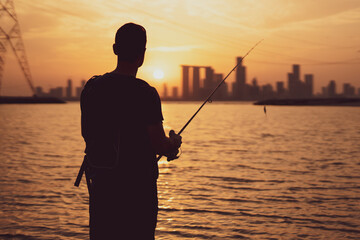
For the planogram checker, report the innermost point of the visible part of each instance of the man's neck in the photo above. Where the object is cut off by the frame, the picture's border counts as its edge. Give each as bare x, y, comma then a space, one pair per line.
126, 68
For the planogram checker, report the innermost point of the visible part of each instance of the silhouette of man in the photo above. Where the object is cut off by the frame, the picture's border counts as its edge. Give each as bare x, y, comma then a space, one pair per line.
121, 122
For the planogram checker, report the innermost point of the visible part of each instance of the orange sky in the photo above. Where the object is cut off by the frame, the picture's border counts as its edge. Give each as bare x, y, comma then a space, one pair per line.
73, 39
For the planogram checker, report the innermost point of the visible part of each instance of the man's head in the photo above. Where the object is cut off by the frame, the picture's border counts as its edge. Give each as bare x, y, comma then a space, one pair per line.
130, 43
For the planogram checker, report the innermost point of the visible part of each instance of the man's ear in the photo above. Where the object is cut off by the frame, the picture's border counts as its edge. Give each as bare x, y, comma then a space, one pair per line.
141, 58
115, 49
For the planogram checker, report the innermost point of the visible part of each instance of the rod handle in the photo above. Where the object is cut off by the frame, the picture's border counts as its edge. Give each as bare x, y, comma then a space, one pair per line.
80, 173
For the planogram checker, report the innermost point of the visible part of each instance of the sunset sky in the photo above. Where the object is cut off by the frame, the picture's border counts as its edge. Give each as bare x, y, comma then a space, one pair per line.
73, 39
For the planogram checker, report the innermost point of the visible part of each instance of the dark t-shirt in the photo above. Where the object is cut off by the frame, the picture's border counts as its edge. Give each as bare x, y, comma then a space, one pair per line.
116, 110
115, 113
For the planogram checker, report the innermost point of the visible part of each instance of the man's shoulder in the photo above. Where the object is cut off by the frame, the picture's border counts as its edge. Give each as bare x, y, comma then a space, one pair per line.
93, 80
104, 82
93, 87
150, 90
118, 79
144, 84
110, 82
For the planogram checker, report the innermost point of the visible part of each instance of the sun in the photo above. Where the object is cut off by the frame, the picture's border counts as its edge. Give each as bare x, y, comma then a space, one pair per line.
158, 74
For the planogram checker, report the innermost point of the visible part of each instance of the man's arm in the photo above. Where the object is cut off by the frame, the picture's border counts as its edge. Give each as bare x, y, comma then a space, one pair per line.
162, 144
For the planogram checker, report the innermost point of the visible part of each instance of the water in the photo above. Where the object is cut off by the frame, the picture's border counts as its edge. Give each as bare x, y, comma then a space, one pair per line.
293, 174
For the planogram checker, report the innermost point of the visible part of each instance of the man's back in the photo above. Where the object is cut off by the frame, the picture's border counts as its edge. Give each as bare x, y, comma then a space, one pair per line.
116, 110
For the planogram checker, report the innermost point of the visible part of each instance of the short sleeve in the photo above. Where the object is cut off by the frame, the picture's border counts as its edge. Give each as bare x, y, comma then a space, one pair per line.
153, 112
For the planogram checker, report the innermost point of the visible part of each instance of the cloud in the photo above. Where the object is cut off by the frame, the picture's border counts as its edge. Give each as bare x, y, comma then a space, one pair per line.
173, 48
273, 14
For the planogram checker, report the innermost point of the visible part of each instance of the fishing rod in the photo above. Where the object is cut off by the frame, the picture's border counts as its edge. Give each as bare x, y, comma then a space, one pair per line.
208, 99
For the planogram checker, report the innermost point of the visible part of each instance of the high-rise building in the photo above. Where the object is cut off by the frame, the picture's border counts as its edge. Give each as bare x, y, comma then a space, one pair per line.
298, 88
221, 93
294, 83
69, 89
240, 72
165, 92
348, 90
175, 94
267, 91
296, 72
291, 84
280, 89
185, 82
79, 89
239, 86
331, 89
209, 80
196, 82
309, 85
56, 92
235, 90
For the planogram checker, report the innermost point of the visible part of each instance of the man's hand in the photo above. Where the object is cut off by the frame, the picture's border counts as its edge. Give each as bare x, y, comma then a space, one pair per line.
163, 145
175, 140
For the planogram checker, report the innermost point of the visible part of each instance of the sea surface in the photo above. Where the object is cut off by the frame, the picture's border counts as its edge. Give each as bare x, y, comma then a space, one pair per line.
293, 173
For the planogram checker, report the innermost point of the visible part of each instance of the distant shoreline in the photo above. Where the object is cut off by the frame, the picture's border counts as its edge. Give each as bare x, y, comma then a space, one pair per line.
311, 102
29, 100
276, 102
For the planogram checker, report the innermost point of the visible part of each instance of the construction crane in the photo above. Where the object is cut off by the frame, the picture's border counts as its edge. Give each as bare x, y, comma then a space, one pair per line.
10, 37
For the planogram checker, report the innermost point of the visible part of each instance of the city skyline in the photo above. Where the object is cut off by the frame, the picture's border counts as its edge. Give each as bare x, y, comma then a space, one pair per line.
69, 92
199, 81
297, 86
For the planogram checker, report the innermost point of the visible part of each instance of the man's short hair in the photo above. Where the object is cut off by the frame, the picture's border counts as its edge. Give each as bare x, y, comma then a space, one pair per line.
130, 42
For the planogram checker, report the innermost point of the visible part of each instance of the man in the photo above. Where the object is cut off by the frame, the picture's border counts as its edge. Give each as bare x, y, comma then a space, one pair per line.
122, 127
